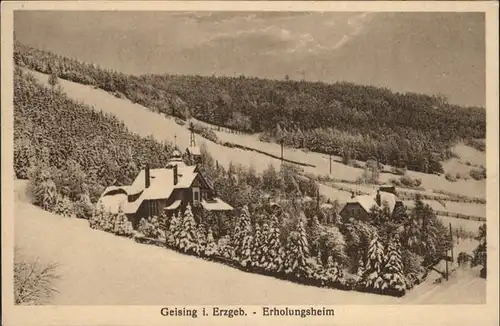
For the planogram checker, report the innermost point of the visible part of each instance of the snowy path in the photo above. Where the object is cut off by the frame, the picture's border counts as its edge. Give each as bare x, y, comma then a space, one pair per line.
100, 268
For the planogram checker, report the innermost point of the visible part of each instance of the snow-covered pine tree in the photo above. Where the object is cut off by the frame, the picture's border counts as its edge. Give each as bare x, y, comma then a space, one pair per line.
256, 247
319, 258
143, 226
174, 230
361, 269
128, 229
201, 236
372, 277
119, 226
188, 241
314, 234
154, 227
264, 237
95, 219
242, 238
297, 253
106, 221
393, 269
273, 249
211, 246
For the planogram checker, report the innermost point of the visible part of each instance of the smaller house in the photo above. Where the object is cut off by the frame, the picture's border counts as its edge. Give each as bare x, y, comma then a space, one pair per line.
359, 207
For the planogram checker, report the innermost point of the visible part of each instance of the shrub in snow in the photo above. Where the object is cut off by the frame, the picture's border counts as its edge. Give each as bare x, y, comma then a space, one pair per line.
63, 206
225, 248
480, 255
150, 227
333, 271
46, 195
83, 207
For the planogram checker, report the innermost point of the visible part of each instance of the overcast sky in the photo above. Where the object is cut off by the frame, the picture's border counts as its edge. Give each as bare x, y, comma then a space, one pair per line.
419, 52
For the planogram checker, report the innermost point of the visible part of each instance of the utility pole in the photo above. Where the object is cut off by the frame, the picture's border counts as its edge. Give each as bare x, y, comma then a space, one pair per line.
451, 242
330, 163
191, 135
446, 273
281, 142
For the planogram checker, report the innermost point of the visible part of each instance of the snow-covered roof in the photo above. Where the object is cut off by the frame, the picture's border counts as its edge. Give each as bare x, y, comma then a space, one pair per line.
161, 187
174, 205
368, 201
194, 150
216, 205
111, 203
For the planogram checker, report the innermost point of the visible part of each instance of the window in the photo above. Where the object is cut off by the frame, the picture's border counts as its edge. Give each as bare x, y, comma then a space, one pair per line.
196, 195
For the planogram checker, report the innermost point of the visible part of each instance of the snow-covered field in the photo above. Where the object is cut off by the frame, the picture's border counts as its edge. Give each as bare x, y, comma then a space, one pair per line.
99, 268
144, 122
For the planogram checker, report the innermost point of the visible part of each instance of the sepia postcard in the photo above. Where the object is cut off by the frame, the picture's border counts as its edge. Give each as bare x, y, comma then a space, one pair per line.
249, 162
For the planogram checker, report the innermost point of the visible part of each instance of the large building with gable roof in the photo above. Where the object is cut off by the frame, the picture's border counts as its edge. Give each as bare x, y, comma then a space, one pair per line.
167, 190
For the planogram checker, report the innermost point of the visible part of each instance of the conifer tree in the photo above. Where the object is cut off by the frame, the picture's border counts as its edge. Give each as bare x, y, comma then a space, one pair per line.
257, 247
95, 219
188, 241
297, 253
480, 253
273, 249
174, 230
122, 223
319, 258
264, 236
242, 239
361, 269
211, 246
373, 275
201, 235
106, 221
314, 234
393, 269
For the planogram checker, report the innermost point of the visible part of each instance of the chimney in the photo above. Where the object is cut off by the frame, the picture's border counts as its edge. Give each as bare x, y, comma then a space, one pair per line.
147, 177
176, 175
377, 198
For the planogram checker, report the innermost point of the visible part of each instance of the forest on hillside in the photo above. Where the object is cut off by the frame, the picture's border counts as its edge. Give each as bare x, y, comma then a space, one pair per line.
70, 152
408, 130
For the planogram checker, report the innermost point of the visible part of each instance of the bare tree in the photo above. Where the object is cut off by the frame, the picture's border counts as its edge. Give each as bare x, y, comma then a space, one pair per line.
33, 280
